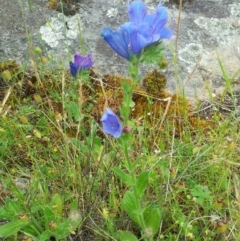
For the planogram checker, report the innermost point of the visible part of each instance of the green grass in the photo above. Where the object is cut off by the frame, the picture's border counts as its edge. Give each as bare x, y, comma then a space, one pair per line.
57, 166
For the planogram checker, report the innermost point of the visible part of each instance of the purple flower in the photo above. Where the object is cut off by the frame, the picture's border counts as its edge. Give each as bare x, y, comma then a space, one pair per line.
111, 123
80, 62
142, 30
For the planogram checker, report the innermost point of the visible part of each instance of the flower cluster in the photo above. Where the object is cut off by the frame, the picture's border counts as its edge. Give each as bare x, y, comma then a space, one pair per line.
80, 62
142, 30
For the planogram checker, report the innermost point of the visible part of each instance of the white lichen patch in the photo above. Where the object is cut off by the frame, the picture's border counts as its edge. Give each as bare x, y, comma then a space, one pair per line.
59, 29
235, 9
190, 55
112, 12
213, 26
193, 36
220, 30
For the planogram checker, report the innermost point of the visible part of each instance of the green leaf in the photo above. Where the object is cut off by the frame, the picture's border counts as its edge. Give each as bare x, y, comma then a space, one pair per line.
134, 164
77, 143
11, 228
11, 205
4, 214
152, 53
74, 205
75, 111
126, 86
48, 214
123, 176
202, 194
63, 230
45, 235
126, 236
75, 216
141, 183
152, 218
132, 104
31, 230
57, 204
131, 206
10, 209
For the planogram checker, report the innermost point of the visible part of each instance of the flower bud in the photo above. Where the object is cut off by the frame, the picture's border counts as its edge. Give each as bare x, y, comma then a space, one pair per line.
52, 225
26, 238
38, 50
127, 129
222, 226
22, 216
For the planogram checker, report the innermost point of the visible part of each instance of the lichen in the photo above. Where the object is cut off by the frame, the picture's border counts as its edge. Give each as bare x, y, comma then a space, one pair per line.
60, 29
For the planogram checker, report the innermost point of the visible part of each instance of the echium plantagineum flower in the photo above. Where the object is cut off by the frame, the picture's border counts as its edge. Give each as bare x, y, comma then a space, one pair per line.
111, 123
142, 30
80, 63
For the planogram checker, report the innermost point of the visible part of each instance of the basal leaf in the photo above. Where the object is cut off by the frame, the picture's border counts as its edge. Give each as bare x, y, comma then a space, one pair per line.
126, 236
75, 110
131, 206
57, 204
152, 218
11, 228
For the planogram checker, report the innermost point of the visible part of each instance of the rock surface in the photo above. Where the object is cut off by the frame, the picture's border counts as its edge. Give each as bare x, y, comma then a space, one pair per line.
207, 27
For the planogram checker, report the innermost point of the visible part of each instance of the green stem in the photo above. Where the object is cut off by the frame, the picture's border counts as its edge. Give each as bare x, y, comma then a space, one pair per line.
131, 172
129, 88
133, 70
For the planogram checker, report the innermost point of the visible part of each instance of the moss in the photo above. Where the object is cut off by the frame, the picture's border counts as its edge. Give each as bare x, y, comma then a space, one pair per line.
155, 83
9, 65
69, 7
153, 104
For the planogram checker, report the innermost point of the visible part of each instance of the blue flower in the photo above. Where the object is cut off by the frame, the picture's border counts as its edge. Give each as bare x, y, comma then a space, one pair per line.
118, 40
111, 123
142, 30
80, 62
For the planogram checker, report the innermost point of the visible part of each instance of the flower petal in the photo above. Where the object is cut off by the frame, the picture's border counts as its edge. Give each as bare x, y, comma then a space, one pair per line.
137, 11
80, 62
118, 40
73, 68
83, 62
138, 42
166, 33
78, 59
87, 62
157, 20
111, 123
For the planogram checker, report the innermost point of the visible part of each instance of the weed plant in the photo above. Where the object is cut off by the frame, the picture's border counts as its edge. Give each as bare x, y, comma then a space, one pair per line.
165, 171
